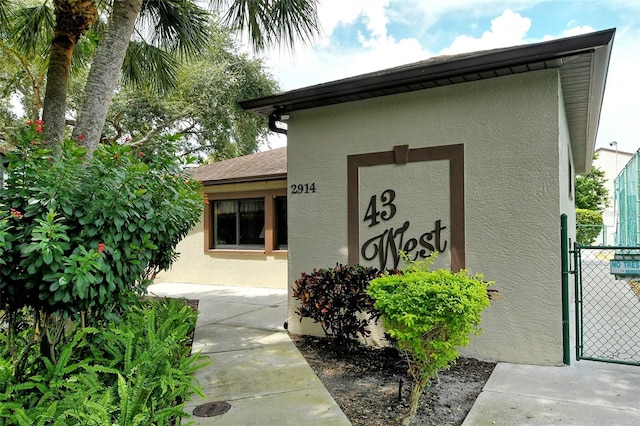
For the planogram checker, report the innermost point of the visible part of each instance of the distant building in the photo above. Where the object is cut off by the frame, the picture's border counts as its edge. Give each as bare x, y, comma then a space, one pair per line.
627, 203
242, 237
611, 162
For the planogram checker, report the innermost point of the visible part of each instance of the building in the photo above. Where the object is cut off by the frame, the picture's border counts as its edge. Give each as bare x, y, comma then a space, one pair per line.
472, 155
627, 203
242, 237
611, 161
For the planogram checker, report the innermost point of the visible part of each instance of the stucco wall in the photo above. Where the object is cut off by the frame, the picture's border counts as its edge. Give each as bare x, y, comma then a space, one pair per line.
239, 268
510, 130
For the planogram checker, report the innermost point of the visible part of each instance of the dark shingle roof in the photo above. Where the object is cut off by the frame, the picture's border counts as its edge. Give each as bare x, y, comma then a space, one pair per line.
582, 60
267, 165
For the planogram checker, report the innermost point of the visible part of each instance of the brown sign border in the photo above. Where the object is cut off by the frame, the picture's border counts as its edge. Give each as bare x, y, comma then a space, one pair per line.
401, 154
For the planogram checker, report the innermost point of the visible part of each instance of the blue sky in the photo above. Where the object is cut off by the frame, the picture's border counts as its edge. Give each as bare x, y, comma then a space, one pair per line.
361, 36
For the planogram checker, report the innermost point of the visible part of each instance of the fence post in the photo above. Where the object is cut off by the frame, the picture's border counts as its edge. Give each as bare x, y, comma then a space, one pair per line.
564, 248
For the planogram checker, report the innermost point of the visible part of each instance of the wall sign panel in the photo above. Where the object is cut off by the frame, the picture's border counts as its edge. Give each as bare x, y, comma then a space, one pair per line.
409, 200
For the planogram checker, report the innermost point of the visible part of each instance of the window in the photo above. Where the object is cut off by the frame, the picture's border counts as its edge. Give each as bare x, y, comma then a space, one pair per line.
252, 220
238, 224
281, 223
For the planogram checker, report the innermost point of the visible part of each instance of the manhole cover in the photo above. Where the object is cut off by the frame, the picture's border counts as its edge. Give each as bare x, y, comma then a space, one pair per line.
211, 409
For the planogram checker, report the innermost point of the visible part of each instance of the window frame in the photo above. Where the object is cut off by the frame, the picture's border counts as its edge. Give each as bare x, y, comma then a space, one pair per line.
269, 219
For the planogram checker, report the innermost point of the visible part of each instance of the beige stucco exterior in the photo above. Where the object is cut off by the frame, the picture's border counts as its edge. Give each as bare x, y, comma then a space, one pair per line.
251, 268
516, 185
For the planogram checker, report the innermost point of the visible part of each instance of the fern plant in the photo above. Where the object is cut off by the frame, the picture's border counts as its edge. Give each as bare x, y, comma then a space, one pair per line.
138, 371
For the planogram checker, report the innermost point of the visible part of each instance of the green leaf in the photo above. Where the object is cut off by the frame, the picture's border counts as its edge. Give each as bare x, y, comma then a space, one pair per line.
47, 256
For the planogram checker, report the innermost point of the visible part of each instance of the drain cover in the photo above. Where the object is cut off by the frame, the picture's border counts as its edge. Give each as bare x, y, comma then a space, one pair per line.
211, 409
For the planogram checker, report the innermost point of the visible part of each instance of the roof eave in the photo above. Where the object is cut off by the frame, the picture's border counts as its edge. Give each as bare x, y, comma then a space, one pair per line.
601, 57
558, 53
245, 179
420, 72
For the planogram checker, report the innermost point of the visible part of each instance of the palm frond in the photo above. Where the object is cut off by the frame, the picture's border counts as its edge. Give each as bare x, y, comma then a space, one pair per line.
250, 16
295, 21
147, 66
176, 25
85, 49
32, 28
4, 15
268, 23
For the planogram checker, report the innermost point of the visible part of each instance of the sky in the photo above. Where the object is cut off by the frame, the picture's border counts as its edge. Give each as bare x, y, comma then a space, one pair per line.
360, 36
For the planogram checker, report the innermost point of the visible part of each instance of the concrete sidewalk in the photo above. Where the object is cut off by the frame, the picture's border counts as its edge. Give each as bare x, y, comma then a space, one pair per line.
254, 365
585, 393
258, 370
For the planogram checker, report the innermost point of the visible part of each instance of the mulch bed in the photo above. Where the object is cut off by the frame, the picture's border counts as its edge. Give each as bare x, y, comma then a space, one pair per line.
372, 387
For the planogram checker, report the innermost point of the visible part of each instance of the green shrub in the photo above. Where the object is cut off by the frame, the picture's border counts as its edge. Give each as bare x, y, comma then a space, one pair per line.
336, 298
588, 226
428, 315
82, 238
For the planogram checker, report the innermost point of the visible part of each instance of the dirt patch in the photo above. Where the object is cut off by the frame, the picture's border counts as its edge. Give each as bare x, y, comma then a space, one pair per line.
372, 387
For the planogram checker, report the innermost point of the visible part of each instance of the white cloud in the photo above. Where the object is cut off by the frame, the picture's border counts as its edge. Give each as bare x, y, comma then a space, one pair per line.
325, 63
620, 118
335, 12
379, 49
508, 29
570, 32
328, 65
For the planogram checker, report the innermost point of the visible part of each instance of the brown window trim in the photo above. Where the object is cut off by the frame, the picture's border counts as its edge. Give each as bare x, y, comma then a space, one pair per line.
401, 154
269, 196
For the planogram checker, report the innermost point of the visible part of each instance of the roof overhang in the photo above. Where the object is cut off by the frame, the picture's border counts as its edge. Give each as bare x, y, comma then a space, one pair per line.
583, 62
259, 178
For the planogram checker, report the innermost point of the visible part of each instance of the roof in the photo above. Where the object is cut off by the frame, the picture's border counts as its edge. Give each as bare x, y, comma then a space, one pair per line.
267, 165
583, 62
618, 151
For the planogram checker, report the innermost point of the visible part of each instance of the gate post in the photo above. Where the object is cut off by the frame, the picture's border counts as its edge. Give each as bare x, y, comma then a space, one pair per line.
564, 248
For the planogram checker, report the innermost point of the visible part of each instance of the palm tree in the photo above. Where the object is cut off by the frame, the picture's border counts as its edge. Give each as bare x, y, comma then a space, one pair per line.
25, 39
165, 27
73, 19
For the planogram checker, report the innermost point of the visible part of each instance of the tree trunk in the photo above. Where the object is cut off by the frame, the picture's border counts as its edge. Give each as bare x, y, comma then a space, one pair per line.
417, 390
104, 73
73, 18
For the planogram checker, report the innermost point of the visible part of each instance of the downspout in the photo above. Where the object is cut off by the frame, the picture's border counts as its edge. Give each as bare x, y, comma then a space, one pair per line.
273, 118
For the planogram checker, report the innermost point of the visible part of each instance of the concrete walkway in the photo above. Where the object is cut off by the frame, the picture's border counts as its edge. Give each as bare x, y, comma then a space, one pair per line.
254, 365
585, 393
258, 370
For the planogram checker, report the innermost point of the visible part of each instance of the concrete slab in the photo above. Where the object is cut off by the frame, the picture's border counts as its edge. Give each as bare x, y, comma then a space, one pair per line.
264, 370
585, 393
506, 409
266, 317
271, 317
213, 311
284, 409
227, 293
225, 338
593, 386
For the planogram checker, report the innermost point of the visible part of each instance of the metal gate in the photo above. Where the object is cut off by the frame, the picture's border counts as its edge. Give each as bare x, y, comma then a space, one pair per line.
607, 303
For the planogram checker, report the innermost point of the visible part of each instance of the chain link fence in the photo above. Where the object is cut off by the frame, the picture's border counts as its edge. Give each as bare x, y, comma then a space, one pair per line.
627, 202
608, 304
